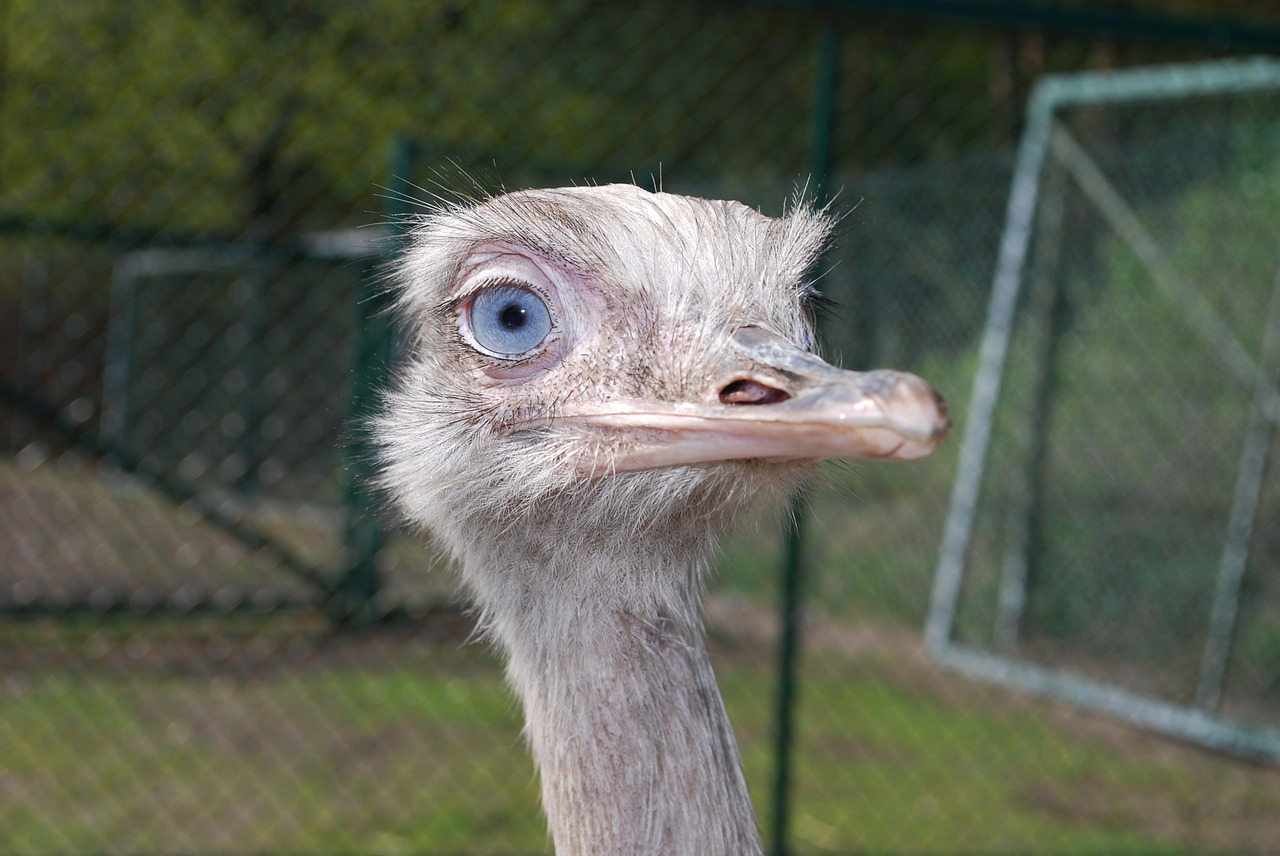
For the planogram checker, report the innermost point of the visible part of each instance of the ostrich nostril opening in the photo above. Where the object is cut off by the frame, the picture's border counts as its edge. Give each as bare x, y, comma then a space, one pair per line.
752, 392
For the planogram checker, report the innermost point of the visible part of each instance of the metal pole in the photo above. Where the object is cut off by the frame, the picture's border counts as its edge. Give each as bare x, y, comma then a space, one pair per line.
1015, 241
825, 81
788, 652
1048, 310
1244, 514
352, 598
254, 362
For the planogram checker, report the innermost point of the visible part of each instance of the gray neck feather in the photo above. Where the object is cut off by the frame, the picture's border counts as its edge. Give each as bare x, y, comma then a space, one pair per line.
606, 650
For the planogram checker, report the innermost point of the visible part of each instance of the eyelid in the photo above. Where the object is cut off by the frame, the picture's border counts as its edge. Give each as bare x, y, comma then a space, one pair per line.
499, 281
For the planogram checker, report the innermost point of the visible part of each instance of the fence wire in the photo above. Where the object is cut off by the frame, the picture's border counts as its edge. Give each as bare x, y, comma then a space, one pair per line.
212, 640
1134, 555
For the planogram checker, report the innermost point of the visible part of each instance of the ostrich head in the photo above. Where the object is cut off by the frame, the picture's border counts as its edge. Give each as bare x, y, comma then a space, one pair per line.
598, 378
634, 355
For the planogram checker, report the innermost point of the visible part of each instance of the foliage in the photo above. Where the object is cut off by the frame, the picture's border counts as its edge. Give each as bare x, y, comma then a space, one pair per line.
266, 118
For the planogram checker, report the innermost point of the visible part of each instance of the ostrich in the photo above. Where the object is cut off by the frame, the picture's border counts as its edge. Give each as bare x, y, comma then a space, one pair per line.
598, 380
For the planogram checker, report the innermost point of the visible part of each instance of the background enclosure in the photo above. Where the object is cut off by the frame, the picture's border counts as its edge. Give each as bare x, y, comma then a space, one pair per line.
211, 639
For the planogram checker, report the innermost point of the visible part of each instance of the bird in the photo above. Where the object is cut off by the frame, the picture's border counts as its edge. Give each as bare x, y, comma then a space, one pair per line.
595, 382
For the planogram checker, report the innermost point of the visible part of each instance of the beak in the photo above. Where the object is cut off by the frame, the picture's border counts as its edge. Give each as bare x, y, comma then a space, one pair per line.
773, 400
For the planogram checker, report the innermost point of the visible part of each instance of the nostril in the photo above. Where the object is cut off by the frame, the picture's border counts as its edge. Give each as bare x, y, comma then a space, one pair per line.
752, 392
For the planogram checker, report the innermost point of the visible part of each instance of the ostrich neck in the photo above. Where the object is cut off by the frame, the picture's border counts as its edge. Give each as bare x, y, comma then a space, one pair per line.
607, 653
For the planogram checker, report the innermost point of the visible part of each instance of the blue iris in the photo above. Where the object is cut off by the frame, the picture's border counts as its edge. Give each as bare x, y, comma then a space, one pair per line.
509, 320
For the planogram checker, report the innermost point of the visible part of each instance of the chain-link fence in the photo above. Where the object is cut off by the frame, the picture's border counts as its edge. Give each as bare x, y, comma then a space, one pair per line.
1123, 563
212, 641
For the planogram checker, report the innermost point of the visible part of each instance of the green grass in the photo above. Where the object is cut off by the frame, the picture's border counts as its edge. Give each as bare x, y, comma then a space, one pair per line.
298, 758
276, 737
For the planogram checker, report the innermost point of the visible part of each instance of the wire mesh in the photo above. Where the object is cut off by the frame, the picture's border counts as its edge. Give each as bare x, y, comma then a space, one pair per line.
1118, 560
194, 201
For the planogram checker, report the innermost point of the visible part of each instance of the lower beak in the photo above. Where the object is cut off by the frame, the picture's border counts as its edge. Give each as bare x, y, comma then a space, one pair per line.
775, 401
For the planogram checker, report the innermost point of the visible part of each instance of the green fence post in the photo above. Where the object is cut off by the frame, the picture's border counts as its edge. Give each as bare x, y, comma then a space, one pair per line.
352, 601
823, 127
251, 402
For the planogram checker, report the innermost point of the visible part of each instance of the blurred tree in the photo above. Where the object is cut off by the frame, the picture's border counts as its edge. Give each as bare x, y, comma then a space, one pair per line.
262, 117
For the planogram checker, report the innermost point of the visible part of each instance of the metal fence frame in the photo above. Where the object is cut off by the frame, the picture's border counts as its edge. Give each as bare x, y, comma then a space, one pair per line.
1042, 139
345, 593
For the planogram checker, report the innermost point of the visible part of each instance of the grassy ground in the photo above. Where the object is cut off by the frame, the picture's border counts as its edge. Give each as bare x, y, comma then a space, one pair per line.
237, 735
253, 734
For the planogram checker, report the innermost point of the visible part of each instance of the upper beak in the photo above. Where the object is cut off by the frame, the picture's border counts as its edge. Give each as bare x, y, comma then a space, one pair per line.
774, 400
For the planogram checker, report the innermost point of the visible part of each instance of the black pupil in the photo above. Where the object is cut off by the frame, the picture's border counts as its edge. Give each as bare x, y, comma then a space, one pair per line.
513, 316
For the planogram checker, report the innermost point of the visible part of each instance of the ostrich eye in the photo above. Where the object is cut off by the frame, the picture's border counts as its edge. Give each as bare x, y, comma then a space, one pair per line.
508, 321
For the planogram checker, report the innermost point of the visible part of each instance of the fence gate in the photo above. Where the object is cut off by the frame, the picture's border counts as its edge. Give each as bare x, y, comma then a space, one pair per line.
1111, 488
